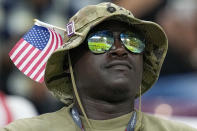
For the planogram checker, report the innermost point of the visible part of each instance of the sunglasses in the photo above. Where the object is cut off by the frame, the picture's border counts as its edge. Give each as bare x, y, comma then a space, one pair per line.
102, 41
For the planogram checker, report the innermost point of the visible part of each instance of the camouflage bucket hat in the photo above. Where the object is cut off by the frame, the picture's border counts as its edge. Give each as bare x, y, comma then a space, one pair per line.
58, 81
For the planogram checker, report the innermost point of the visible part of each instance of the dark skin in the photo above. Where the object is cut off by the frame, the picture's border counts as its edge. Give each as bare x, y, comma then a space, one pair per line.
107, 83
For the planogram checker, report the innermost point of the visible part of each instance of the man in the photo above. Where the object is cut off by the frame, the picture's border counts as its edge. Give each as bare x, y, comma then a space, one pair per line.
115, 57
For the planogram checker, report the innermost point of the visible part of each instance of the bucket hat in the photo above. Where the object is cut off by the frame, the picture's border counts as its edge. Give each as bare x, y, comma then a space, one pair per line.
58, 80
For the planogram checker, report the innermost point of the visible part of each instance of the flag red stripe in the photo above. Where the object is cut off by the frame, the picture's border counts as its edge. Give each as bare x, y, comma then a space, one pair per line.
60, 40
39, 72
42, 58
20, 52
42, 79
57, 41
16, 46
31, 61
25, 57
43, 67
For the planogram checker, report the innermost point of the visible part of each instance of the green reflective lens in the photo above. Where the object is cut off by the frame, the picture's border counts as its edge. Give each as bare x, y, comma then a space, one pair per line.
100, 41
132, 42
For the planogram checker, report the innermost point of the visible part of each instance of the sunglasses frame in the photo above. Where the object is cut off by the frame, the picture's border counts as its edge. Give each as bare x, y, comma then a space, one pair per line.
135, 34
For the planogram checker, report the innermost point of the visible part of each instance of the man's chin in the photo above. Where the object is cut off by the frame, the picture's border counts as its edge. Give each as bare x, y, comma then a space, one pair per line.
119, 86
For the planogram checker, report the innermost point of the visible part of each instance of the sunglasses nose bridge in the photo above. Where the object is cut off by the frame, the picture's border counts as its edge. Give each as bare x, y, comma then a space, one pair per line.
118, 48
117, 41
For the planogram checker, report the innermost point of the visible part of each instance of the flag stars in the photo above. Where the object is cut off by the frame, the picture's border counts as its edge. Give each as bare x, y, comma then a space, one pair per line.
38, 37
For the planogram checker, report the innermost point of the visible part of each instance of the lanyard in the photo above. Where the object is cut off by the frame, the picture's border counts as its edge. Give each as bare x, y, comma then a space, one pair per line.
77, 120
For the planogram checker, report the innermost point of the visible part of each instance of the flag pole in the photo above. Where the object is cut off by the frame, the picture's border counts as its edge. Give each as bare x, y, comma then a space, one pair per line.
47, 25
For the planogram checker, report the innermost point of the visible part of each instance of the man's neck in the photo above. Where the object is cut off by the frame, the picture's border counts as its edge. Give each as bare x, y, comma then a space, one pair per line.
102, 110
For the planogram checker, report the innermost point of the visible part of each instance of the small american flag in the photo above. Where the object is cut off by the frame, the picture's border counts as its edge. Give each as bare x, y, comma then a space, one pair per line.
32, 51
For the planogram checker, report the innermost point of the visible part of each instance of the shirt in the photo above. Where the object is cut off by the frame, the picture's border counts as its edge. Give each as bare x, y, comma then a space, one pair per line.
61, 120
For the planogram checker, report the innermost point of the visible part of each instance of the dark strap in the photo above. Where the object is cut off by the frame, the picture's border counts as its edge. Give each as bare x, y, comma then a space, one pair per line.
77, 120
132, 122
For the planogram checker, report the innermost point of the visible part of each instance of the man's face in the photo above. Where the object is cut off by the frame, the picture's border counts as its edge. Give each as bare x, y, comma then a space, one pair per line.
112, 76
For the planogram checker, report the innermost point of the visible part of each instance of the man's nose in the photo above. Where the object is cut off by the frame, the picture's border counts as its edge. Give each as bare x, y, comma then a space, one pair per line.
118, 49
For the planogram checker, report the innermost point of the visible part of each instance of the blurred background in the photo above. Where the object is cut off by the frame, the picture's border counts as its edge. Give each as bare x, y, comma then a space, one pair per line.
173, 97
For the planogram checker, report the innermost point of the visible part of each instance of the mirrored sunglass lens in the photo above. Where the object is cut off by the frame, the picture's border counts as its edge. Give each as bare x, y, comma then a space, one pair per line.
132, 43
100, 42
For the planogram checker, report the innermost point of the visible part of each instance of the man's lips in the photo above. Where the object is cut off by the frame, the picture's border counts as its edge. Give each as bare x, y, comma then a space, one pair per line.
119, 64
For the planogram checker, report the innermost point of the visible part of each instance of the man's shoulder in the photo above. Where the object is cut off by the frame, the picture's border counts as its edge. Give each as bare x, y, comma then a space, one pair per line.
59, 119
154, 123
